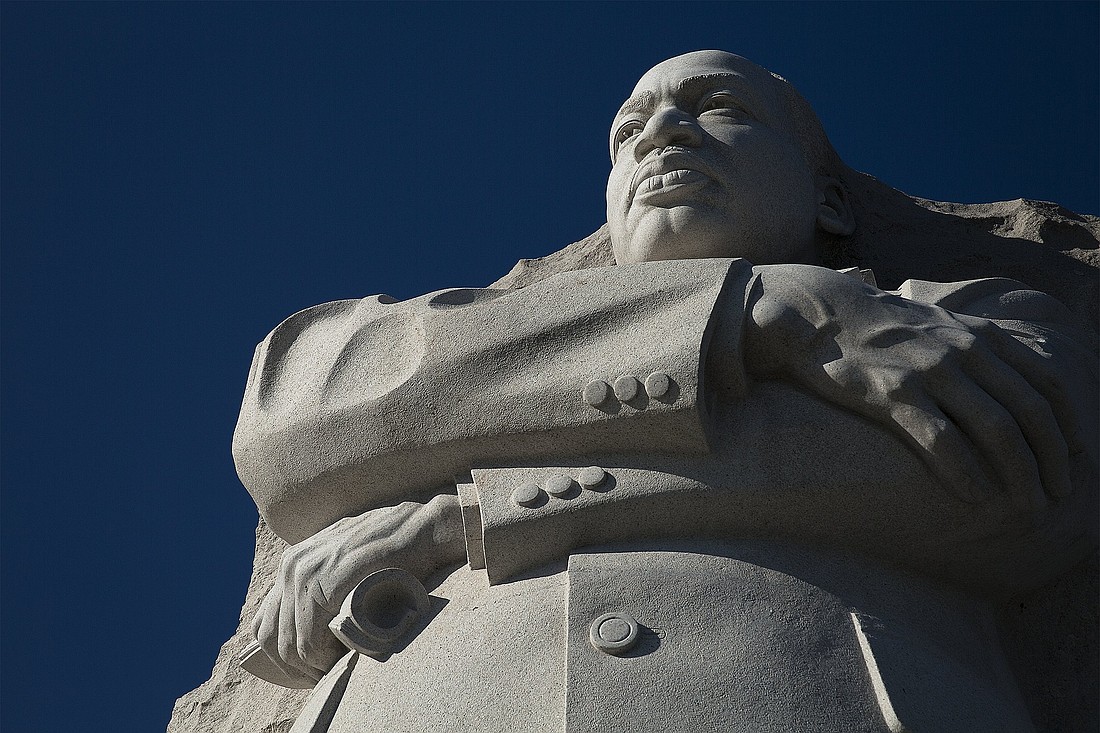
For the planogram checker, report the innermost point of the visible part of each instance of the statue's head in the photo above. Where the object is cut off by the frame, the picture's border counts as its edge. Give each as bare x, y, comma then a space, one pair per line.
714, 156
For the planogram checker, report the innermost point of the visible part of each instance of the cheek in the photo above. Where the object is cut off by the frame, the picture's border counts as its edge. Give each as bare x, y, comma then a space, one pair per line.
616, 216
618, 182
777, 178
761, 154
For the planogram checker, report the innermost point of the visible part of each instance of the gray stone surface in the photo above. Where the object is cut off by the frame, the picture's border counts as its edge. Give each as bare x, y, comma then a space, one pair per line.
795, 502
1041, 243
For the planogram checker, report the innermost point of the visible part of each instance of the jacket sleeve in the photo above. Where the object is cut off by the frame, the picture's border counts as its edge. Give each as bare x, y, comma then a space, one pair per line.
787, 465
357, 404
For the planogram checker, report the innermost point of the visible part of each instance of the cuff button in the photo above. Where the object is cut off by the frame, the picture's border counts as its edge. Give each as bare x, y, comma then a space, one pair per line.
596, 393
626, 388
591, 477
656, 384
558, 485
527, 495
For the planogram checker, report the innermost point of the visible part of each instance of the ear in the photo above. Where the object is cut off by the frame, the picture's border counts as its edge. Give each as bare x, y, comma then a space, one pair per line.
834, 211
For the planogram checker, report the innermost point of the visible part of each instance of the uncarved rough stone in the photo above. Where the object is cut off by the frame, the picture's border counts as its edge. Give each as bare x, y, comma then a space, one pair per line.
232, 699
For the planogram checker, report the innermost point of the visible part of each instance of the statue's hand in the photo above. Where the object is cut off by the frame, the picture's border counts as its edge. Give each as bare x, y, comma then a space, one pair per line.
316, 575
983, 410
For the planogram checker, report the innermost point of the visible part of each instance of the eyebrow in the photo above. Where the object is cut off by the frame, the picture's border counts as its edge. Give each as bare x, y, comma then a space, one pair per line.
646, 101
694, 84
640, 103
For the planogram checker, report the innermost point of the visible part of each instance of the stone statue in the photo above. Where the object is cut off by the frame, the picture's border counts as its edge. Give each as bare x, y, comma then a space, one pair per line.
727, 484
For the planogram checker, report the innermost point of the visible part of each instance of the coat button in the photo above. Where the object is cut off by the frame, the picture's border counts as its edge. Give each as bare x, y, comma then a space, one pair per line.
614, 633
596, 393
626, 388
656, 384
591, 477
558, 485
527, 495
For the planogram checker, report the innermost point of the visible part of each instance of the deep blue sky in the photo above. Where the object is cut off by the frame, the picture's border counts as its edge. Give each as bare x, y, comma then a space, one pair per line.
177, 178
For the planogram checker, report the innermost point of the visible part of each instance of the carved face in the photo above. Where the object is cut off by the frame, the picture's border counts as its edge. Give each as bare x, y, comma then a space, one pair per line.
705, 165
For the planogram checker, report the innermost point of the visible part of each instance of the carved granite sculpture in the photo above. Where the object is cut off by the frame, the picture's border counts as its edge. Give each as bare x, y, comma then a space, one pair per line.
723, 484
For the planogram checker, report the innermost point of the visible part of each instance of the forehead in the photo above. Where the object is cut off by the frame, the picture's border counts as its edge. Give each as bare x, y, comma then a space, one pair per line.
693, 70
701, 63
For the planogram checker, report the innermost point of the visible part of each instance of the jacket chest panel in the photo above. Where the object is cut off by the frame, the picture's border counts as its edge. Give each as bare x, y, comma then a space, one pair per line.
722, 645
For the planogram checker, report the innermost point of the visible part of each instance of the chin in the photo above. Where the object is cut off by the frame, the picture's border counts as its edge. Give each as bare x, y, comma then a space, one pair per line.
687, 233
681, 245
654, 243
648, 251
685, 248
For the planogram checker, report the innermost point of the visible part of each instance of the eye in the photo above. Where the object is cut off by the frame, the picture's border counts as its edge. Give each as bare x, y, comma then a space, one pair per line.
627, 131
721, 100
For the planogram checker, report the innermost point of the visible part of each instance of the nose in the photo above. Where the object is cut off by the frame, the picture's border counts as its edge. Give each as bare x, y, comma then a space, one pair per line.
668, 126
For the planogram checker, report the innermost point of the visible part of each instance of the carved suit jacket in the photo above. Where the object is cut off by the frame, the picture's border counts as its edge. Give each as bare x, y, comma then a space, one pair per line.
353, 405
615, 465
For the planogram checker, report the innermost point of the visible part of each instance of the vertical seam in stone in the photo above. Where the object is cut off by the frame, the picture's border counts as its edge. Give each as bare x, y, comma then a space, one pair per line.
882, 697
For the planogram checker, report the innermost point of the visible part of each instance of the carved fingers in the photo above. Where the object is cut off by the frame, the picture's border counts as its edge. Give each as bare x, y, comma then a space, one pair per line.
316, 574
1036, 417
960, 396
986, 414
291, 621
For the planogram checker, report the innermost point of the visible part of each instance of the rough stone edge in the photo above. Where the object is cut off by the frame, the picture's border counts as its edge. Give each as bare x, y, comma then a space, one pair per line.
232, 700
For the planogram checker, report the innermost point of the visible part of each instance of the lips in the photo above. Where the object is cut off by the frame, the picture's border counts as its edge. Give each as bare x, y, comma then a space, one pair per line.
668, 180
668, 172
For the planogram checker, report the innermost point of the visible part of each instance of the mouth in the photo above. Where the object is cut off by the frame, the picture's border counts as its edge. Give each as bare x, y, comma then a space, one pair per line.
668, 176
667, 182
